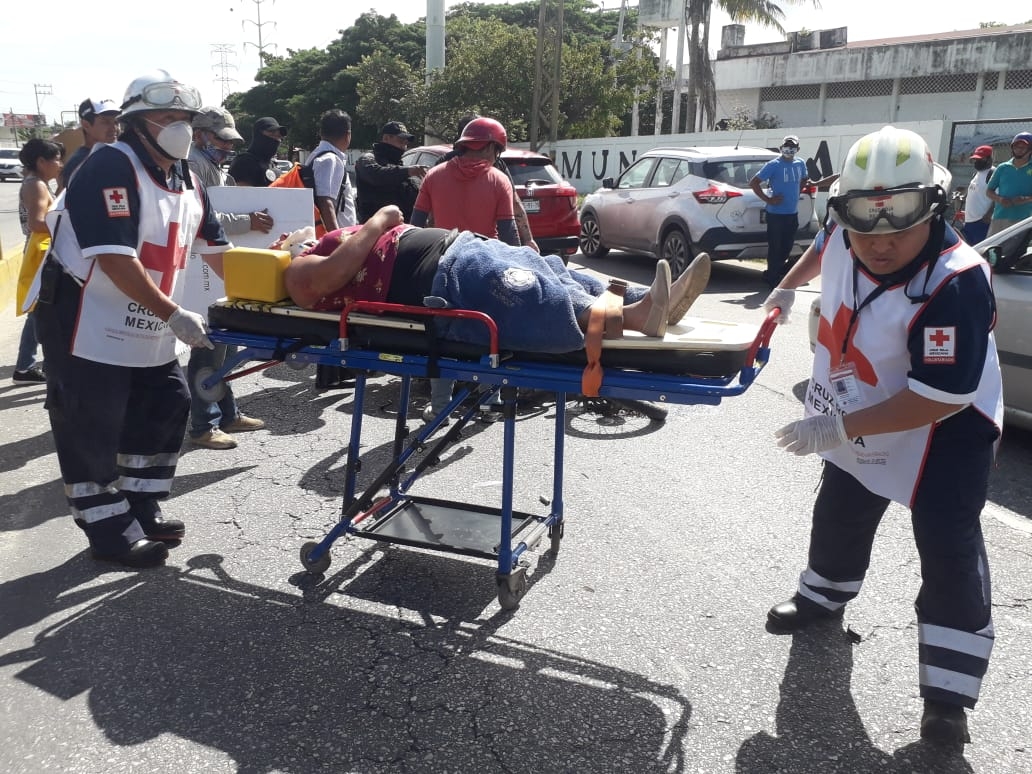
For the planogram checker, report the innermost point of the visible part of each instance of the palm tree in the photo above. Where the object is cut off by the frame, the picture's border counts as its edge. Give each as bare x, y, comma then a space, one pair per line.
701, 86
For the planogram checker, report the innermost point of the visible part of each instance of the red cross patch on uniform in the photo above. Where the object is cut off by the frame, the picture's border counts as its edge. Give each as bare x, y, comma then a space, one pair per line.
940, 345
117, 202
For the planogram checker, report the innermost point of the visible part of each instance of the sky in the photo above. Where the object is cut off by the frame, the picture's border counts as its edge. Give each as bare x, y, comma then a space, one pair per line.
56, 62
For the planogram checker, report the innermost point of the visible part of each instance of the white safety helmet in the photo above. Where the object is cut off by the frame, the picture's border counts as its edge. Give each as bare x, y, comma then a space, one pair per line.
157, 90
889, 182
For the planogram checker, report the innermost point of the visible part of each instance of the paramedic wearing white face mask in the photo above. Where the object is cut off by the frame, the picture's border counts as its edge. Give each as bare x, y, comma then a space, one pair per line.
904, 405
109, 317
779, 183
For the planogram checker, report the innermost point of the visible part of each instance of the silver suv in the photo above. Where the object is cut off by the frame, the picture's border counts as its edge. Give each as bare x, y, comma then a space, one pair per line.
675, 202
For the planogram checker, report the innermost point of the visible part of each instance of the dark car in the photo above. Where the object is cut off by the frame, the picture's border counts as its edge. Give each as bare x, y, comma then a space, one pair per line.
550, 201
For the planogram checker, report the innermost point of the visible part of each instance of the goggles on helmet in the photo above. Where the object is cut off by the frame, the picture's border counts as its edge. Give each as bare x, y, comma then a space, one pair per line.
167, 96
900, 207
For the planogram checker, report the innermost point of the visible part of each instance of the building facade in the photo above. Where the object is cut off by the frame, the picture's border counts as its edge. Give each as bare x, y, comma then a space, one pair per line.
819, 78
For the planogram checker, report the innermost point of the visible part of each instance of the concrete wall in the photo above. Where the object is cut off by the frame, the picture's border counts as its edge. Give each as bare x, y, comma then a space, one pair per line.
968, 69
586, 162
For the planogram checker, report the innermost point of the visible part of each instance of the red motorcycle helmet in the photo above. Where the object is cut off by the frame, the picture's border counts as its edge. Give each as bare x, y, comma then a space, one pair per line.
481, 130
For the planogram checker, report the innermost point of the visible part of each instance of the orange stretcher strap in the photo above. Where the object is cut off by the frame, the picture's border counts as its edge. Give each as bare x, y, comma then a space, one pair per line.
605, 320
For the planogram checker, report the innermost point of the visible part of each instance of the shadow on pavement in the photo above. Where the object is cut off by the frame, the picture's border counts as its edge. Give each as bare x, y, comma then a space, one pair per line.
818, 726
289, 683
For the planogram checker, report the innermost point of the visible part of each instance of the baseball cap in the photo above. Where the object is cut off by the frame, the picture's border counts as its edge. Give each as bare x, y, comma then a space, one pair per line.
790, 139
217, 120
982, 152
268, 124
1025, 137
91, 108
397, 128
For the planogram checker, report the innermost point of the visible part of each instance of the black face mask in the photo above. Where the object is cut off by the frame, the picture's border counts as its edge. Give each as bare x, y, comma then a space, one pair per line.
981, 164
264, 147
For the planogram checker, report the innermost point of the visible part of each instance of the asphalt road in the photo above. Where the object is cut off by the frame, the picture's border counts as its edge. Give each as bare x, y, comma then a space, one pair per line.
641, 648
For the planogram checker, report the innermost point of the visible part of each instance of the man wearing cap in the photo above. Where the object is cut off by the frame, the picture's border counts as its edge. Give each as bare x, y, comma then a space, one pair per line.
253, 166
99, 119
978, 208
213, 422
381, 177
1010, 186
785, 177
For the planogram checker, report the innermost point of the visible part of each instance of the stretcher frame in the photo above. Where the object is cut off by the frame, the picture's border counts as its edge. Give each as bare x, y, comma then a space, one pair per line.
498, 534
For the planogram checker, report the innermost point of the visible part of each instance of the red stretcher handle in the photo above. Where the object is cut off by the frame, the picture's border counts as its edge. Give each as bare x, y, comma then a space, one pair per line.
379, 307
763, 335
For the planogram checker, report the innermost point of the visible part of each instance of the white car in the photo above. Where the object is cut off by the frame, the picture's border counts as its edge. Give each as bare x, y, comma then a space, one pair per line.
10, 166
675, 202
1010, 255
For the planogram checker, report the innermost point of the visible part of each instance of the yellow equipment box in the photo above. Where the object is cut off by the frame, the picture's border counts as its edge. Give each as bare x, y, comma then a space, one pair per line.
255, 274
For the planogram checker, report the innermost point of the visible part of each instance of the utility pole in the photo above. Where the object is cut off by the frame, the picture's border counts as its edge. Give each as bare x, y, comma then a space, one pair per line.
546, 88
224, 51
45, 90
261, 45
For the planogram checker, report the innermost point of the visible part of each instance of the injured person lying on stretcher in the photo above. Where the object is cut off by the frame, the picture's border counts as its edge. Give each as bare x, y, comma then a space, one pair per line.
537, 303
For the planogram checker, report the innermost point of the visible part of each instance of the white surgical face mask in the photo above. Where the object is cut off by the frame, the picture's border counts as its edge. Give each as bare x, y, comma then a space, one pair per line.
175, 139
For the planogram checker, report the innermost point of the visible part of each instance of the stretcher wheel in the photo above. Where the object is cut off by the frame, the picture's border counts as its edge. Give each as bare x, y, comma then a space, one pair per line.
320, 566
295, 364
511, 589
555, 536
212, 394
654, 411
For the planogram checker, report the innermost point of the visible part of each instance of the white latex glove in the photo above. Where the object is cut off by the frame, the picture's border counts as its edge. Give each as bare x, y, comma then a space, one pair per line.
190, 328
813, 434
780, 298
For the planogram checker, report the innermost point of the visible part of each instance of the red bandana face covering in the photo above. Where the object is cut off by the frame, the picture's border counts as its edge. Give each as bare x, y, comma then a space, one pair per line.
471, 168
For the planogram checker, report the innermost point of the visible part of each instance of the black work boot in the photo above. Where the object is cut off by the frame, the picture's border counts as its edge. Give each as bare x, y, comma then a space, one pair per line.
143, 553
155, 525
798, 613
944, 723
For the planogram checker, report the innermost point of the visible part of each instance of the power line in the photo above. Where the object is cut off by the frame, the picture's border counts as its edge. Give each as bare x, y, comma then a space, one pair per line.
224, 51
46, 90
259, 25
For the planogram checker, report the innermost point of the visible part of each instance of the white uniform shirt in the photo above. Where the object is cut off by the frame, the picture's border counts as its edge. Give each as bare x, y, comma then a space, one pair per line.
331, 172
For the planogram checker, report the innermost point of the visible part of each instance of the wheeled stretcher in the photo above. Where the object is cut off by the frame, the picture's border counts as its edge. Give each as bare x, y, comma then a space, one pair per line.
699, 361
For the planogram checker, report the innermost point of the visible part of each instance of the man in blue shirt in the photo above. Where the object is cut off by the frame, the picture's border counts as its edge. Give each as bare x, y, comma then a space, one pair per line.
785, 178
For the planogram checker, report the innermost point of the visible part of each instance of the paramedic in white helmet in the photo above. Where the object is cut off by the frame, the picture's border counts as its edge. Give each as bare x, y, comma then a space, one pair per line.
109, 318
904, 405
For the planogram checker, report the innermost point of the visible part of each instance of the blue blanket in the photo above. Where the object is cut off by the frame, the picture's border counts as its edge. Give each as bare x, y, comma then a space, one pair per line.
533, 299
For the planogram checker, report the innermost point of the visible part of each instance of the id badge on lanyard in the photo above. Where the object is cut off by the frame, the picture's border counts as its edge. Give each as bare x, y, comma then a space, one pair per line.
845, 385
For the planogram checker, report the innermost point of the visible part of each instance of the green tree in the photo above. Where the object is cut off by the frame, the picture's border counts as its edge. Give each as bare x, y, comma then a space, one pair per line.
702, 90
389, 89
375, 70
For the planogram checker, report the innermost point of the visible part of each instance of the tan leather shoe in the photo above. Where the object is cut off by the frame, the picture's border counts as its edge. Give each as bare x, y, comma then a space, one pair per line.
214, 439
243, 424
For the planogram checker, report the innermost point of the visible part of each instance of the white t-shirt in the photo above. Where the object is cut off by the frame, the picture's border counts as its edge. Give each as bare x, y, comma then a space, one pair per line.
978, 204
330, 173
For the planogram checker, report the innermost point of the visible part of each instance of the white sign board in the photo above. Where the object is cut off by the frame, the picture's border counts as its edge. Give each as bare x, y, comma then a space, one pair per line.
661, 13
290, 208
